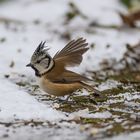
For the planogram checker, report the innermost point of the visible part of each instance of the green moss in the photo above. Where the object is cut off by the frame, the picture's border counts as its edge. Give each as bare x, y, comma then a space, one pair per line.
22, 84
136, 100
69, 107
114, 91
3, 39
127, 3
78, 103
127, 77
116, 129
70, 15
1, 1
112, 100
94, 121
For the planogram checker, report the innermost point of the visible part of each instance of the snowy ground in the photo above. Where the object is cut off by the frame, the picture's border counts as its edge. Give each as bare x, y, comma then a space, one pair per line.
23, 24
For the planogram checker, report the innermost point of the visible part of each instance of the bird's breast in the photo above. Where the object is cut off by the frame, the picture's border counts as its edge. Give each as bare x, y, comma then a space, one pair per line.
58, 89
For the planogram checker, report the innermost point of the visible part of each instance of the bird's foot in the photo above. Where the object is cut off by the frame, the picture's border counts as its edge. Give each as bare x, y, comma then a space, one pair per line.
64, 101
97, 93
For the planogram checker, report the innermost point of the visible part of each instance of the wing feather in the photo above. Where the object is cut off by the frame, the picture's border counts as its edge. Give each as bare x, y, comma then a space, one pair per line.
71, 54
69, 77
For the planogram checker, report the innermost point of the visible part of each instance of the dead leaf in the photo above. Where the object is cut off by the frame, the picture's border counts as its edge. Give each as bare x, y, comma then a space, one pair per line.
131, 18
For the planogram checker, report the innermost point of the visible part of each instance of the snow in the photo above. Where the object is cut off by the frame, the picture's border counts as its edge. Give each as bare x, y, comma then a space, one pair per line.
133, 136
109, 84
16, 104
86, 114
22, 39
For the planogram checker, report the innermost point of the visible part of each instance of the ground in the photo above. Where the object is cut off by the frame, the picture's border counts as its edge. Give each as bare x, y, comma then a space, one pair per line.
26, 112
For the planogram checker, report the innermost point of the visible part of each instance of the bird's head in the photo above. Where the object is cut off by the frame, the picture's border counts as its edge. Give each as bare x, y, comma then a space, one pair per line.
41, 61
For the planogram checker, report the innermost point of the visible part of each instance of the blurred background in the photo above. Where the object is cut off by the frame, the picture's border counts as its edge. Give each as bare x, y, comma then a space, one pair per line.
112, 29
25, 23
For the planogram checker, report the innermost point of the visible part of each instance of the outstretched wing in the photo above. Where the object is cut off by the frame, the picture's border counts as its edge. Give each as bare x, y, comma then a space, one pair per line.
69, 77
71, 54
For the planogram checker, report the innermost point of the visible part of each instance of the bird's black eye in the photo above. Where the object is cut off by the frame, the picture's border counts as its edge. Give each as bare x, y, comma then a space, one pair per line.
38, 61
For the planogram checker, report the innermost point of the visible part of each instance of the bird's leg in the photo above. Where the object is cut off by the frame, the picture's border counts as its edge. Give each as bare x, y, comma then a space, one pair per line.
66, 100
92, 99
68, 97
90, 88
96, 93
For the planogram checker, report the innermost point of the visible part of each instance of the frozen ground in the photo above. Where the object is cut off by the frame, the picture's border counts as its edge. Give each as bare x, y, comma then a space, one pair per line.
24, 113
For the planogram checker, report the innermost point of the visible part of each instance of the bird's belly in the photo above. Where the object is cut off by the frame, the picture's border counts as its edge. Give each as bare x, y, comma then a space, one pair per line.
58, 89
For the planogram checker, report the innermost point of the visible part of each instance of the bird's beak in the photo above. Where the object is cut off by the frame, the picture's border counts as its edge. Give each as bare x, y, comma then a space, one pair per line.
29, 65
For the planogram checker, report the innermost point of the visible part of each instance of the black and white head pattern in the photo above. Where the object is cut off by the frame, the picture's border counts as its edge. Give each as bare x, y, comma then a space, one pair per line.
41, 61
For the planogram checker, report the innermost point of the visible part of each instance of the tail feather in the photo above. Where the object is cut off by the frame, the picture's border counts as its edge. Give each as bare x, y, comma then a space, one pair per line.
90, 88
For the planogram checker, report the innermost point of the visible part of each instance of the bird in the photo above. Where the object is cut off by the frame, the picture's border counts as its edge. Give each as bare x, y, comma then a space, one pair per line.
53, 76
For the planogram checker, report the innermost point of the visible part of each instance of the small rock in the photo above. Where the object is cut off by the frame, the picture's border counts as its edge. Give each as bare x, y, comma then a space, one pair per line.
5, 135
56, 105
